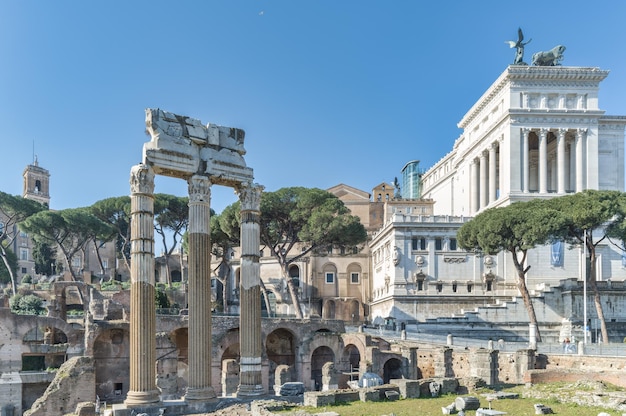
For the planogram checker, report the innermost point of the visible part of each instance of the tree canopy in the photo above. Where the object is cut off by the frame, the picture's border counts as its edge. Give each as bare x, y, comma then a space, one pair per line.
13, 210
516, 228
592, 216
311, 217
171, 217
69, 230
115, 211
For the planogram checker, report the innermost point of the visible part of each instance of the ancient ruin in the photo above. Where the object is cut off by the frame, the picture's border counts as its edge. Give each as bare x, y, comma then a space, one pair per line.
182, 147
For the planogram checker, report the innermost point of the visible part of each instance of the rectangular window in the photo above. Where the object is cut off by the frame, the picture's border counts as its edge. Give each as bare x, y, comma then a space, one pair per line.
23, 270
439, 287
23, 254
342, 250
330, 277
452, 244
354, 278
438, 243
76, 261
422, 244
469, 288
105, 263
414, 243
420, 285
329, 250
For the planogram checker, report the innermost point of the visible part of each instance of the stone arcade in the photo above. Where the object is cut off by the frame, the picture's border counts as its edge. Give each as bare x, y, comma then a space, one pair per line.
183, 148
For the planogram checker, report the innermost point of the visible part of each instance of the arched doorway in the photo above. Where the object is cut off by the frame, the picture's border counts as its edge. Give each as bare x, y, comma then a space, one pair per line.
320, 356
349, 366
280, 349
392, 370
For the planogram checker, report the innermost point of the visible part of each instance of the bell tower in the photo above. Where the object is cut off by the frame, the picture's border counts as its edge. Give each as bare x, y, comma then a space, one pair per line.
37, 183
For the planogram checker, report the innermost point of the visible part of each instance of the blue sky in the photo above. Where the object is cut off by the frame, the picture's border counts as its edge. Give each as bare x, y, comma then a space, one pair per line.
328, 91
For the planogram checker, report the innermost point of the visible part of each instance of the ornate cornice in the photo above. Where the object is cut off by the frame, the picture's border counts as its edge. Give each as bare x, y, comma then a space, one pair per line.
515, 75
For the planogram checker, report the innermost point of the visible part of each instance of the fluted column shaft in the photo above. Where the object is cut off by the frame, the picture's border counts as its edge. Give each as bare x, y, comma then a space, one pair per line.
199, 263
525, 161
484, 195
580, 172
560, 155
250, 344
492, 173
142, 389
543, 161
474, 194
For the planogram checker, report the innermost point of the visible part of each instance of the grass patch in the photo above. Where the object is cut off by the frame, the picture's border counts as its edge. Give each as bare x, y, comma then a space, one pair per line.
561, 397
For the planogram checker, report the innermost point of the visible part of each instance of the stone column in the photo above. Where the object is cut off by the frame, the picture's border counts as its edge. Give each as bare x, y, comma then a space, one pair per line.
484, 187
492, 172
560, 161
142, 389
525, 161
199, 263
250, 345
473, 187
543, 161
580, 172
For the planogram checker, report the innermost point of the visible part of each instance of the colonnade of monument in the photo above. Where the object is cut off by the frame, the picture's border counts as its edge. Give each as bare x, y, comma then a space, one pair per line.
203, 156
559, 169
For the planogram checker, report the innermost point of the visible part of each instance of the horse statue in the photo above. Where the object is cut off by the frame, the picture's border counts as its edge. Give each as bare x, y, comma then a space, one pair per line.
553, 57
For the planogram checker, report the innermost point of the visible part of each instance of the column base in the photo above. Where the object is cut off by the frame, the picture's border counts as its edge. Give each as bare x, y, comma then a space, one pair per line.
250, 390
141, 398
200, 394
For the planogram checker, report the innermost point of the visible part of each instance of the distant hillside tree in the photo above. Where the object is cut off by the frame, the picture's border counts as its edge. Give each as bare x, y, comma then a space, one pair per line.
45, 258
311, 216
13, 210
171, 217
591, 217
516, 228
68, 230
115, 211
11, 260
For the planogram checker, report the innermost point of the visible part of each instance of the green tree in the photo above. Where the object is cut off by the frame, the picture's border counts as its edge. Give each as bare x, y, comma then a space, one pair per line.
591, 217
115, 211
26, 305
171, 217
13, 210
11, 260
310, 216
68, 230
45, 258
516, 229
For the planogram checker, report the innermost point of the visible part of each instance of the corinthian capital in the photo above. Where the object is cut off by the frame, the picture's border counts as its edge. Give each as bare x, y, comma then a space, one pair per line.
250, 196
199, 188
141, 179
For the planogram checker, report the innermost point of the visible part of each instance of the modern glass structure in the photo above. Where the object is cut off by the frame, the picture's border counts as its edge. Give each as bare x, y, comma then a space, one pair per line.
411, 180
